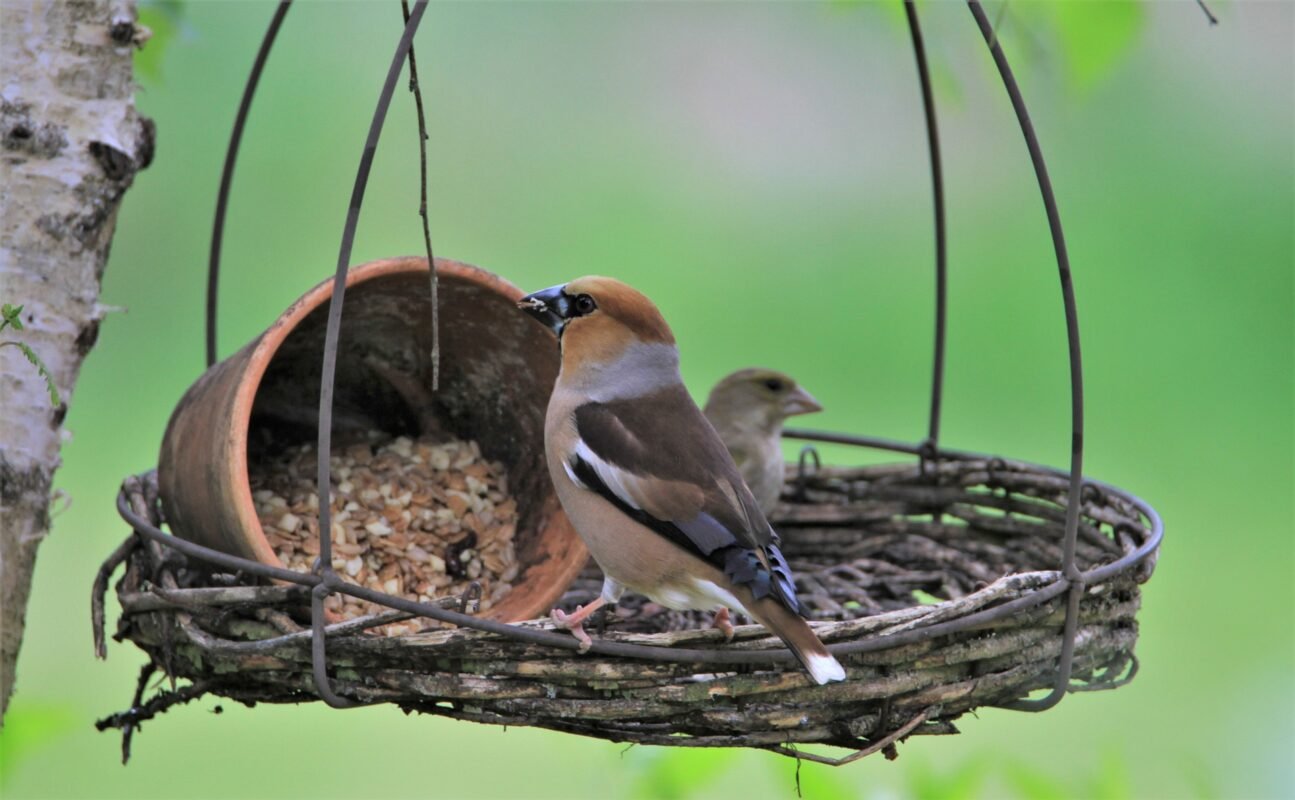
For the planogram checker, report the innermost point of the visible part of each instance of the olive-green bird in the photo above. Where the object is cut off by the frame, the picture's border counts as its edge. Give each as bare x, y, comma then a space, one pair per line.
747, 409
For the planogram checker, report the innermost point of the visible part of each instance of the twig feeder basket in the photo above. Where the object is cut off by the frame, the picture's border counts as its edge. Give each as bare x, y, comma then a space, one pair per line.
1031, 575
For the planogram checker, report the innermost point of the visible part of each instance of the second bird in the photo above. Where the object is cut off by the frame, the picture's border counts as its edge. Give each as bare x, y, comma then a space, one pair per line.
747, 409
645, 479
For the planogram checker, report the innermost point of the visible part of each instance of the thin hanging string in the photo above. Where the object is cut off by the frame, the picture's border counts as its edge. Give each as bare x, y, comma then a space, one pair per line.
329, 582
422, 206
227, 173
1208, 14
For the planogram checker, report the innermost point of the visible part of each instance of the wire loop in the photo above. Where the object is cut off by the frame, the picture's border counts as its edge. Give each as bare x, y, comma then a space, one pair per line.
325, 581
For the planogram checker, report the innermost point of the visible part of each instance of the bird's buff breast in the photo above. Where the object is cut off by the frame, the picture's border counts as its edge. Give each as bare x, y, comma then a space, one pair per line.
632, 555
637, 557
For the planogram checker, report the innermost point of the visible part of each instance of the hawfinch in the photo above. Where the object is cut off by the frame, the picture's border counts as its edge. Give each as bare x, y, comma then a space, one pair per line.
645, 479
747, 409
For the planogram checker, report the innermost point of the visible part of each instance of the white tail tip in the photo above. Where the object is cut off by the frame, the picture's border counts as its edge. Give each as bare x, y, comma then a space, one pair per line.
825, 669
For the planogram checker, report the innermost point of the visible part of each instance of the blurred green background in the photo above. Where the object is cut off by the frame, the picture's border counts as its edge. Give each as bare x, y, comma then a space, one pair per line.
760, 170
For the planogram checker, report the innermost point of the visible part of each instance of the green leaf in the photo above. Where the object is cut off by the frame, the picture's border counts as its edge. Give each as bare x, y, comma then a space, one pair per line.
12, 316
1033, 784
30, 727
889, 13
963, 782
1112, 780
1095, 37
165, 18
676, 773
926, 598
821, 782
40, 367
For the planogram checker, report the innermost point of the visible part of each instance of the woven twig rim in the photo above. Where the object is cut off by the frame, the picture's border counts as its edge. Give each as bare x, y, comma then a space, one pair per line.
907, 662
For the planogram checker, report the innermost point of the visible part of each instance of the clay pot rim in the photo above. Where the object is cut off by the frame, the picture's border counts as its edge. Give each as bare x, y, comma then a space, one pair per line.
269, 343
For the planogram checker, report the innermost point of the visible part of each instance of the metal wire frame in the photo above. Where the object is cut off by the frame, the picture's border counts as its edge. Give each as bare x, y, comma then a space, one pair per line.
932, 443
929, 449
329, 581
1068, 567
324, 581
227, 173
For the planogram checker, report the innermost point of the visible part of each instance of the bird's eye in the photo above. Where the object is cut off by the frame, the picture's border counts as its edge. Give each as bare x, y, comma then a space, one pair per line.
773, 385
585, 304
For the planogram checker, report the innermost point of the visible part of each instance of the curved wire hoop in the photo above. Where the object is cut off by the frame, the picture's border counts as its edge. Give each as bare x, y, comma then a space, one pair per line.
932, 443
324, 581
1068, 567
329, 581
227, 173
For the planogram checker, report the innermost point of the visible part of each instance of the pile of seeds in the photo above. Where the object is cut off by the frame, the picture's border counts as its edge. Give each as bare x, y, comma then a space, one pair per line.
419, 519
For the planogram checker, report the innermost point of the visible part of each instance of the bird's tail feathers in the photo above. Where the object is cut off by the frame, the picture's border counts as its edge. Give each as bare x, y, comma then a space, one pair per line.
800, 638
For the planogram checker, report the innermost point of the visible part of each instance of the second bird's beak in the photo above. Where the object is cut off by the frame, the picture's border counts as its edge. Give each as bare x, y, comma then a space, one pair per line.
548, 306
800, 402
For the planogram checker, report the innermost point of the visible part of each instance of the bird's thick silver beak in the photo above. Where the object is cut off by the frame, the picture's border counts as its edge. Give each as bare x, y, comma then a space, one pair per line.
548, 306
800, 402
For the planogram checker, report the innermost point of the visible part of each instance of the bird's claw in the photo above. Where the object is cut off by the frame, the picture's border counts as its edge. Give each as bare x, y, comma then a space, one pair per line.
724, 624
575, 624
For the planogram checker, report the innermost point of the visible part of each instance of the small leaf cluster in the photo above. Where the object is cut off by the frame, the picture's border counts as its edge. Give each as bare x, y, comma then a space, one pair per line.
11, 316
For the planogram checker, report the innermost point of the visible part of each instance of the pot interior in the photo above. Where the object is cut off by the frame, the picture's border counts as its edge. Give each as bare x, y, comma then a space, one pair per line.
497, 369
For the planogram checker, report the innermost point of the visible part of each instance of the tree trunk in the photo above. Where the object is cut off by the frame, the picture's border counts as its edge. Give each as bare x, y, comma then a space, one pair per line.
71, 145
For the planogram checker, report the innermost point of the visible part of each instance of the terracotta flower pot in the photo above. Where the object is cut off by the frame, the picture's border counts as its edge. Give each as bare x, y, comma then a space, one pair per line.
497, 369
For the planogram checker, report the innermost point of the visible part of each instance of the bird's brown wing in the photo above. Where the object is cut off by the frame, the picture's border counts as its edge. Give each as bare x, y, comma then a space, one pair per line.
658, 460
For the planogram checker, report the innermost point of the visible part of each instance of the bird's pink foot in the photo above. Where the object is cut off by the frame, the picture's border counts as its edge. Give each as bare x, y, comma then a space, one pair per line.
724, 623
575, 622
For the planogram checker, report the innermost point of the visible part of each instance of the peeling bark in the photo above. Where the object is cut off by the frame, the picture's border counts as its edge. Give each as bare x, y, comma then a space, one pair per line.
70, 145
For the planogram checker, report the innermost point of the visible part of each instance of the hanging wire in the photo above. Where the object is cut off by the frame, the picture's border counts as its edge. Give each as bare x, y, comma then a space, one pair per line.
1068, 568
227, 173
932, 444
325, 581
329, 581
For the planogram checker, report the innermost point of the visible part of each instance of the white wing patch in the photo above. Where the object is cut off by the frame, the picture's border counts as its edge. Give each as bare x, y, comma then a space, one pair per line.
571, 473
612, 477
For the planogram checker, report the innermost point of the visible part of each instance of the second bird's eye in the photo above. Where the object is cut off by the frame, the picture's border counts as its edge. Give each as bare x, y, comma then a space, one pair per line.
585, 304
773, 385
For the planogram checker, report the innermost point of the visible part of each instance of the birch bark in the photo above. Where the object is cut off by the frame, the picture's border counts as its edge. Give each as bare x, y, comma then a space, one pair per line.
71, 142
